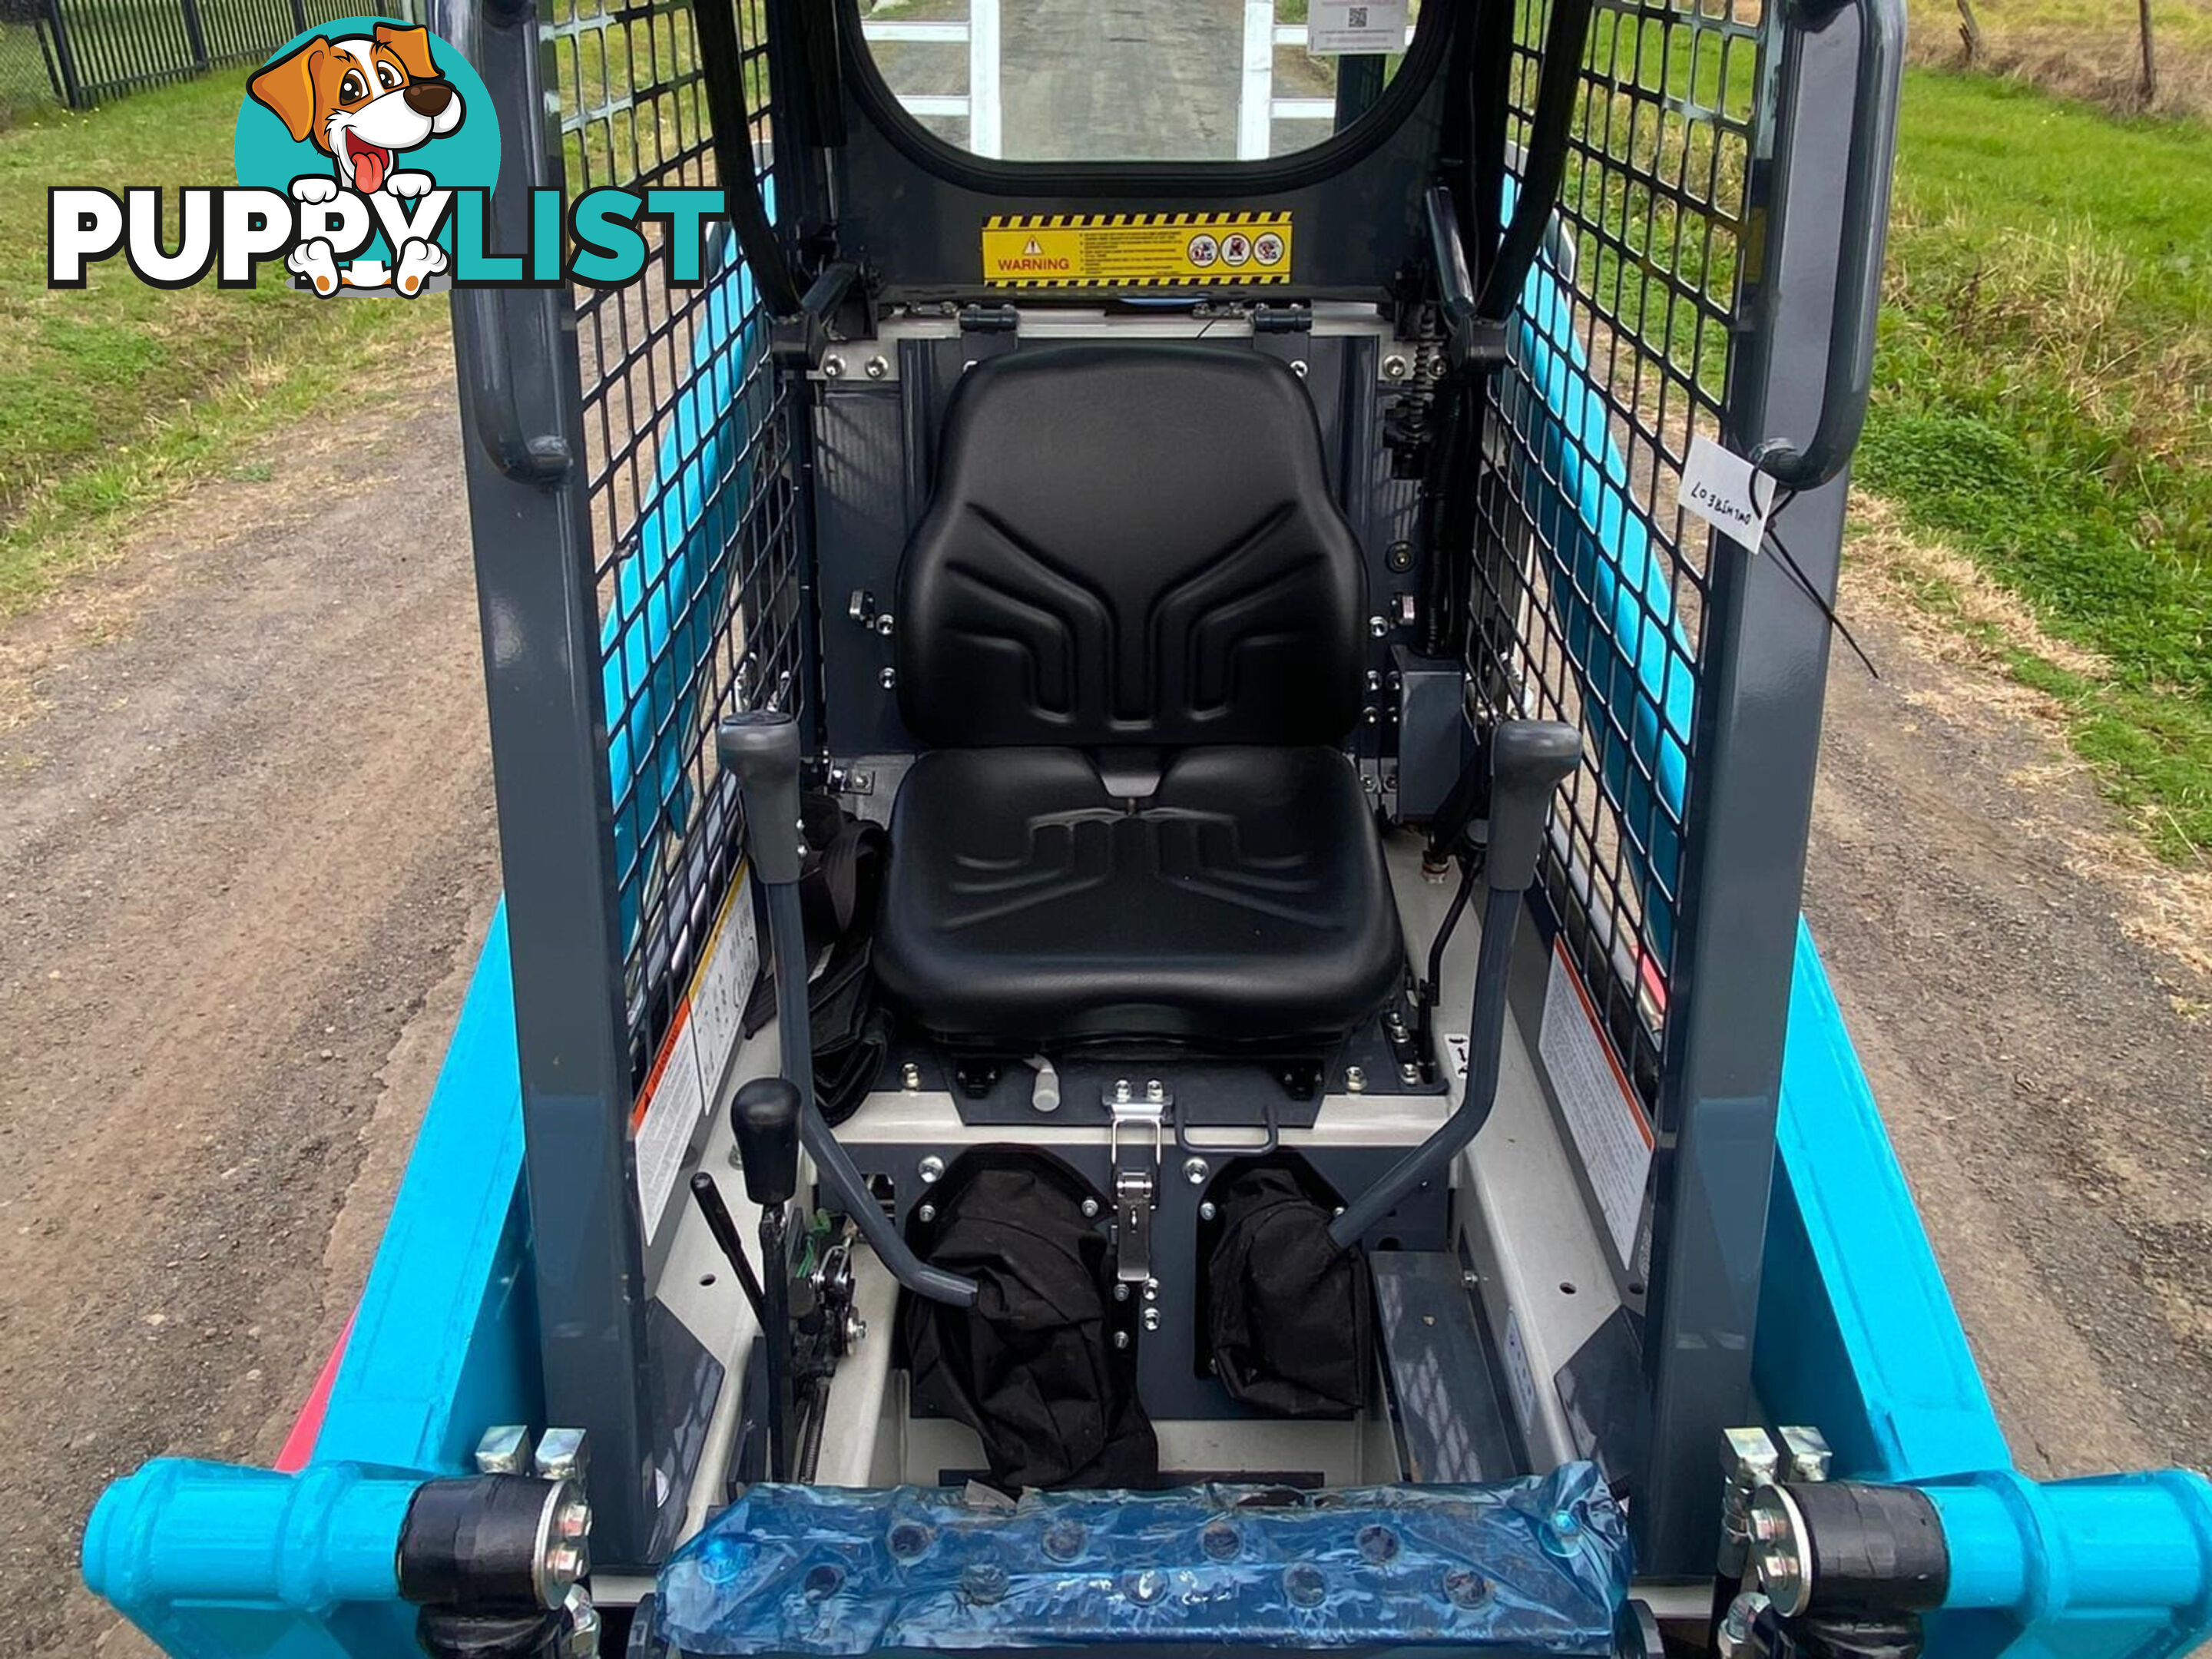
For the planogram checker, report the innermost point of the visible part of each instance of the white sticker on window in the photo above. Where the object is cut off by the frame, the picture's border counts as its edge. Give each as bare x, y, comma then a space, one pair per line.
1603, 1115
1726, 492
668, 1111
1517, 1373
1356, 26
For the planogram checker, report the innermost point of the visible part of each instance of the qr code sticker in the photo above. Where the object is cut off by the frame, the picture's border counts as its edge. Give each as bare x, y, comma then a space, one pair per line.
1355, 17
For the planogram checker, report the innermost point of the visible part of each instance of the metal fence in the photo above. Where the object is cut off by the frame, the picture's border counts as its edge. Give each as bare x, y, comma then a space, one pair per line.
692, 503
1591, 600
75, 53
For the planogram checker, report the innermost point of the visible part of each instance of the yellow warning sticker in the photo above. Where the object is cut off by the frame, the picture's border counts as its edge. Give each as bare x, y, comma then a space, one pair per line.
1135, 250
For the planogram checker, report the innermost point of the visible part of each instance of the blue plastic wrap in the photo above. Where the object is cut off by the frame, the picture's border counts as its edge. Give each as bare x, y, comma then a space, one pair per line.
1539, 1565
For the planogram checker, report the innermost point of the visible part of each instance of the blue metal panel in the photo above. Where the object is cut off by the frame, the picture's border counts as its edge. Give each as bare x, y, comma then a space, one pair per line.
1856, 1329
212, 1561
445, 1341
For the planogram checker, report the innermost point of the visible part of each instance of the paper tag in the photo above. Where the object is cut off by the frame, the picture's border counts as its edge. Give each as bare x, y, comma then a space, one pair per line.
1726, 492
1356, 26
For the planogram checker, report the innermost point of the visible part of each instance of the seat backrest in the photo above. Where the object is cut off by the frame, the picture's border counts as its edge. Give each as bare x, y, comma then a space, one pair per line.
1131, 544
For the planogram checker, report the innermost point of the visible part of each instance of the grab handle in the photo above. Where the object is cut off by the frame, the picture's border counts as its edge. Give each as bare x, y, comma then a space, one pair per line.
1857, 303
482, 30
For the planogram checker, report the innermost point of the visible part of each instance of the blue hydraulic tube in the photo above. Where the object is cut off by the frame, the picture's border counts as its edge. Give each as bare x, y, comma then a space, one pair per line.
180, 1530
2068, 1548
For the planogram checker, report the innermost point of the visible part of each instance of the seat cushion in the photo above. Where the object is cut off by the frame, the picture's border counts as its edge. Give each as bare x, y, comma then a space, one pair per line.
1243, 902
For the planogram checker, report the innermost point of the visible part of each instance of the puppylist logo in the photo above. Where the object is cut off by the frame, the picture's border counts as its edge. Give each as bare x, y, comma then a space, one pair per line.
367, 151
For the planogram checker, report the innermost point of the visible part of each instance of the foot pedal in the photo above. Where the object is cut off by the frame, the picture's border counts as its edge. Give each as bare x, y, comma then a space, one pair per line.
1447, 1381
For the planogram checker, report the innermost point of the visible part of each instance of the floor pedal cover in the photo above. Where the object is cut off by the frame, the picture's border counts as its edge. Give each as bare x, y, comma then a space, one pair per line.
1536, 1565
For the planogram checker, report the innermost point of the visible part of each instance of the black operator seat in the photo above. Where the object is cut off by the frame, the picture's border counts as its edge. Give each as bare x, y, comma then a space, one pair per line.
1132, 629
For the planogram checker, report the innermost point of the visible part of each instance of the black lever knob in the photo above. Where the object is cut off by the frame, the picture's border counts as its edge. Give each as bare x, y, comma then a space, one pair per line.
762, 748
1529, 760
765, 1117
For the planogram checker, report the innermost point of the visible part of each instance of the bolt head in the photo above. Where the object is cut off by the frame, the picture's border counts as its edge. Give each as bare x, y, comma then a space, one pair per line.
1808, 1453
564, 1455
856, 1329
1298, 367
1207, 1211
1394, 367
1194, 1171
833, 367
1155, 1091
579, 1633
888, 679
1120, 1290
1090, 1209
885, 624
1379, 626
925, 1214
910, 1077
1355, 1079
1152, 1319
1122, 1092
1408, 1073
504, 1450
877, 368
564, 1564
1748, 1456
932, 1170
571, 1522
1120, 1339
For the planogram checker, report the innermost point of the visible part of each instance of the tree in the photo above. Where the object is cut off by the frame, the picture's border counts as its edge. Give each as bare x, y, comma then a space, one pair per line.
1969, 32
2148, 87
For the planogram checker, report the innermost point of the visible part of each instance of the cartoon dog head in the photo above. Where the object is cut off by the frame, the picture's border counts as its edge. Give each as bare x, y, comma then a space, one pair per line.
361, 99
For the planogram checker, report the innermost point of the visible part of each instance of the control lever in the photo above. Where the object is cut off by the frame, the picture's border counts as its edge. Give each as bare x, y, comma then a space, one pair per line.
765, 1118
1529, 761
761, 749
708, 1197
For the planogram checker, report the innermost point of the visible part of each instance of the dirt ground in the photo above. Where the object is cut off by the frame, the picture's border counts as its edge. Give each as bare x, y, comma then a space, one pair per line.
246, 853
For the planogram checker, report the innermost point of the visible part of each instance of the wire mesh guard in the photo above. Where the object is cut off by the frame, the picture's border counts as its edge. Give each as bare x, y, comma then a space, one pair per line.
693, 509
1591, 596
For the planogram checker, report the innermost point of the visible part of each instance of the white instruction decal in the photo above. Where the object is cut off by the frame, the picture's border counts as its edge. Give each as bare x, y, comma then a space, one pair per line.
1726, 492
668, 1109
1355, 26
1609, 1129
1455, 1045
724, 984
1523, 1380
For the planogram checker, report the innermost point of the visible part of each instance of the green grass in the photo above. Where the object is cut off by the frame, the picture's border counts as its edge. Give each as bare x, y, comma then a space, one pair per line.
2044, 403
114, 397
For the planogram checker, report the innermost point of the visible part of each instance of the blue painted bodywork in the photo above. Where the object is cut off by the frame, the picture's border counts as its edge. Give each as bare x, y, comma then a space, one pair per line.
1857, 1332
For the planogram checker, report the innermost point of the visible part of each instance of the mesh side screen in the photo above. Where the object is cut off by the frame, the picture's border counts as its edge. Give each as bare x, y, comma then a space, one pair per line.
1591, 587
693, 515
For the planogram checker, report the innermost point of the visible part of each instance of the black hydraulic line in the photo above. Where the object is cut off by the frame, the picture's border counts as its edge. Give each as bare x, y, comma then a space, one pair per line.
1544, 160
1431, 986
722, 55
1424, 1010
1529, 760
708, 1197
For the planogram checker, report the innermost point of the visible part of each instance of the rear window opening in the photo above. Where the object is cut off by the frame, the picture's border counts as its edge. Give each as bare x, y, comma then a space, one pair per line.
1136, 79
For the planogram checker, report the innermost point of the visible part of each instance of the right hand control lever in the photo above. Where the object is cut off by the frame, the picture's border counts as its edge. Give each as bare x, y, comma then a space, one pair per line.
1529, 761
